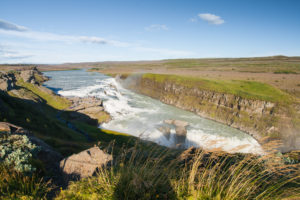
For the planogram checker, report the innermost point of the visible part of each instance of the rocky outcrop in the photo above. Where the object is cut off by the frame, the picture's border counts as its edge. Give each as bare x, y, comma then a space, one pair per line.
180, 129
4, 127
166, 130
7, 81
13, 129
88, 106
88, 109
32, 75
256, 117
28, 76
85, 163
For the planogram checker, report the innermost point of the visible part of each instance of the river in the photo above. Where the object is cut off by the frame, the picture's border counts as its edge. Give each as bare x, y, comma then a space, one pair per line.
142, 116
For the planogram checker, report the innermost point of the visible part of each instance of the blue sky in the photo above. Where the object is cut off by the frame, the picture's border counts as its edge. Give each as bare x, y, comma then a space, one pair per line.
58, 31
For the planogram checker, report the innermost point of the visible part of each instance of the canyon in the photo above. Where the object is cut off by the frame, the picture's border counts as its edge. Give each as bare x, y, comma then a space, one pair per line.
258, 118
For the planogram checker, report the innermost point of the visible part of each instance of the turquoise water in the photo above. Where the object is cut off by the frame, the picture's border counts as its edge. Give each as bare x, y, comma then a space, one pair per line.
141, 116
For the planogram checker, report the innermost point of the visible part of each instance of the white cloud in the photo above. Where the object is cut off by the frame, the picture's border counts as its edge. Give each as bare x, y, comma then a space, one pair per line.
5, 53
211, 18
32, 36
98, 40
14, 56
157, 27
4, 25
10, 29
95, 40
45, 36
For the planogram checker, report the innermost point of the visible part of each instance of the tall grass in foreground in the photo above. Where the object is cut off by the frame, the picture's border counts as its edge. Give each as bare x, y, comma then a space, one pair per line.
16, 185
222, 177
195, 174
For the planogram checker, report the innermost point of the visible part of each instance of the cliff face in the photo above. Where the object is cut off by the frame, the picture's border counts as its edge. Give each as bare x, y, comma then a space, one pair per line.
8, 79
27, 84
256, 117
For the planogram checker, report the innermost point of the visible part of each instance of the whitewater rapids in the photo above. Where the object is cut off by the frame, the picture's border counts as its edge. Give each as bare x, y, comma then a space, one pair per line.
141, 116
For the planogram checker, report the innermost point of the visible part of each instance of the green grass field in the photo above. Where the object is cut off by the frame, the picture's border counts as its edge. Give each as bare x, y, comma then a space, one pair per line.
245, 89
51, 100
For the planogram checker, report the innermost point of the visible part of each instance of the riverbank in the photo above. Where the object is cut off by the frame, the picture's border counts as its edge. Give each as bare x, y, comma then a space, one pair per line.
147, 118
25, 102
59, 139
253, 107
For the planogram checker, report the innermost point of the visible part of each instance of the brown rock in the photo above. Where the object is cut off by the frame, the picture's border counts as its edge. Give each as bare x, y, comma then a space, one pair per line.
165, 130
27, 76
85, 163
4, 127
88, 106
13, 129
177, 123
91, 110
7, 81
168, 121
180, 128
32, 75
180, 123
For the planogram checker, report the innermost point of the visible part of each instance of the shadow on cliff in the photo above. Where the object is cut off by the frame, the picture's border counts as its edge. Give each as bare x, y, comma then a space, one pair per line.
64, 133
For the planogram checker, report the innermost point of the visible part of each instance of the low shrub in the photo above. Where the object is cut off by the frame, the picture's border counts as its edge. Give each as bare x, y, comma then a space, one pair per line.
16, 151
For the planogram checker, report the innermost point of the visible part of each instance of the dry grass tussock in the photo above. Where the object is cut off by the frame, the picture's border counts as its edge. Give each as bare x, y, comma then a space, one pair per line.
153, 173
16, 185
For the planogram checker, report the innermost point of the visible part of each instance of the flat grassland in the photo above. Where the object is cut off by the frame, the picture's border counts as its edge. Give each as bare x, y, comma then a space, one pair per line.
245, 89
279, 71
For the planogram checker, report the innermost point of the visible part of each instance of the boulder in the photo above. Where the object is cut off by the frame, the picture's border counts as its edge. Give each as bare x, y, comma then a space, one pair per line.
89, 109
85, 163
13, 129
180, 129
165, 130
84, 103
4, 127
168, 121
180, 137
180, 123
177, 123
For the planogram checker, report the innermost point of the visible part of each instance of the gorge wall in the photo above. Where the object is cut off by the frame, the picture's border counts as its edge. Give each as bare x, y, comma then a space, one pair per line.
256, 117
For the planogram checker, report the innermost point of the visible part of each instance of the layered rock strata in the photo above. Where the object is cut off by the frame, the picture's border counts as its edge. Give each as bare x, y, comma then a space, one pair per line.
256, 117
